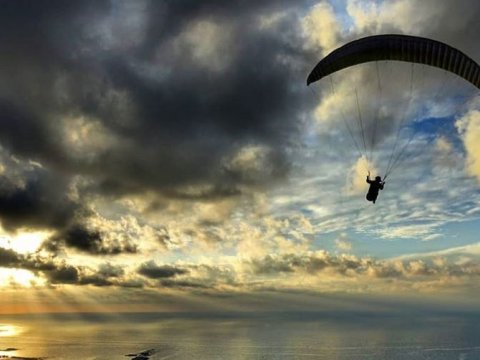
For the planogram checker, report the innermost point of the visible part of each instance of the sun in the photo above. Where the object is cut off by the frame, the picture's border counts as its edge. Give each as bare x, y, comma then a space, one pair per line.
23, 242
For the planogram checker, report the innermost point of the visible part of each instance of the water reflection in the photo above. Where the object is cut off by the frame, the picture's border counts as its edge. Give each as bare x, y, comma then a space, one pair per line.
253, 336
7, 330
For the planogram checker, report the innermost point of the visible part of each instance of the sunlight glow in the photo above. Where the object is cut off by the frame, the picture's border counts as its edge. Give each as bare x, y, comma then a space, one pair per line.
22, 277
24, 242
7, 330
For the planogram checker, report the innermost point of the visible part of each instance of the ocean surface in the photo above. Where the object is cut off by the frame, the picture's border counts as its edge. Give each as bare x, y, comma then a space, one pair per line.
242, 336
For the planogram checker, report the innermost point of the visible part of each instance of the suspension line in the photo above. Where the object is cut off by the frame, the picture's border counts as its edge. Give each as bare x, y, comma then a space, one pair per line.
361, 125
402, 120
350, 132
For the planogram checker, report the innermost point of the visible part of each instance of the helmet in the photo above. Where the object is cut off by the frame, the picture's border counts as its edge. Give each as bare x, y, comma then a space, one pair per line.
378, 178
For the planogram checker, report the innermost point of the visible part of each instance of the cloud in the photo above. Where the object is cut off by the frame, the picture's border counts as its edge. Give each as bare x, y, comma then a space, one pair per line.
64, 274
33, 197
208, 43
255, 164
446, 155
80, 237
418, 18
311, 271
8, 257
182, 130
356, 183
469, 129
320, 270
189, 276
472, 250
151, 109
55, 273
153, 271
58, 272
321, 28
423, 231
182, 284
342, 243
39, 200
109, 270
406, 16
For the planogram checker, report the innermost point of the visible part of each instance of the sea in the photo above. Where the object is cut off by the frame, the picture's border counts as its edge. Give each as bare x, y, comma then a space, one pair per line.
241, 336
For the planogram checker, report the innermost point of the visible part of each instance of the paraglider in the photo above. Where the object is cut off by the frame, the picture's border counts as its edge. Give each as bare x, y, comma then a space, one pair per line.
375, 186
392, 47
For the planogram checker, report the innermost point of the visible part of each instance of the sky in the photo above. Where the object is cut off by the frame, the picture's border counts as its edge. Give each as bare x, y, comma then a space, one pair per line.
168, 156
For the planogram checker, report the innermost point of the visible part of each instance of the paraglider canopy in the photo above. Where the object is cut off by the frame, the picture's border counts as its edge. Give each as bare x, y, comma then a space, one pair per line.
406, 48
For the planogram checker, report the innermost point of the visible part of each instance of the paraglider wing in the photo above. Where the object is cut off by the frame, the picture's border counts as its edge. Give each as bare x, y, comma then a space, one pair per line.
399, 48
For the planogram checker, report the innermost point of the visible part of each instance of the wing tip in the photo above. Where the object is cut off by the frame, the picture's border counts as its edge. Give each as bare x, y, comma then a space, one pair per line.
309, 79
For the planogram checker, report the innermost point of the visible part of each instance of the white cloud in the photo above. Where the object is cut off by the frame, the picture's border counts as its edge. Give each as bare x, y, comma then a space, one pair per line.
446, 155
405, 15
342, 243
356, 180
469, 250
423, 232
252, 163
321, 28
469, 129
209, 43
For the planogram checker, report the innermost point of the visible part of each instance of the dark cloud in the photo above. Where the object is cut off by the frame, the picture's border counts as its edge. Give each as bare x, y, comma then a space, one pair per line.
9, 258
106, 275
153, 271
41, 202
83, 239
64, 274
169, 283
176, 119
95, 280
23, 131
80, 237
82, 275
37, 39
270, 265
109, 270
